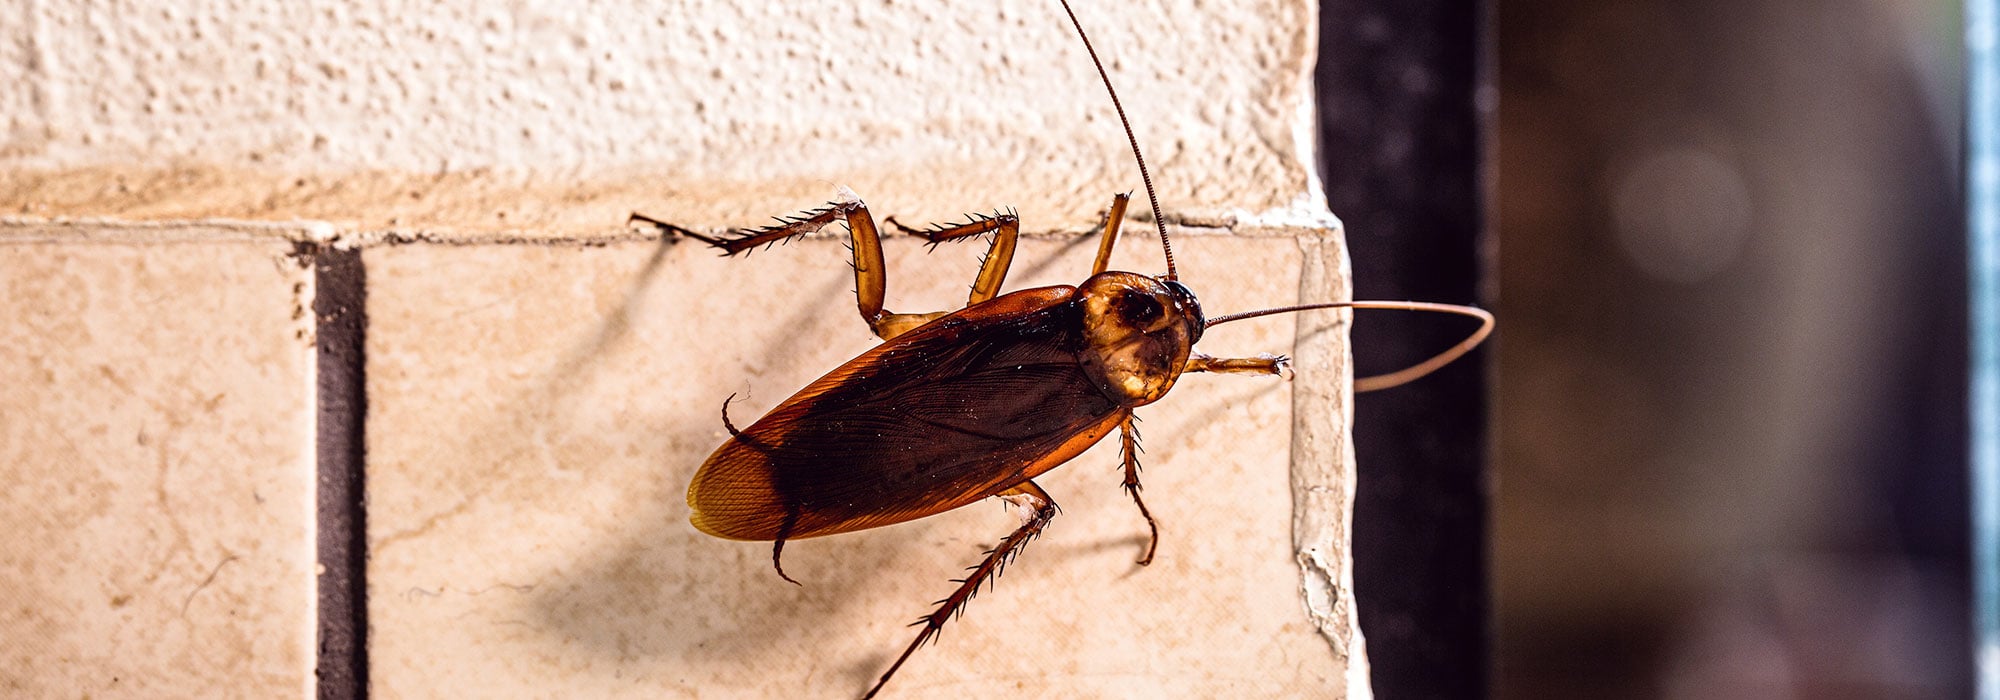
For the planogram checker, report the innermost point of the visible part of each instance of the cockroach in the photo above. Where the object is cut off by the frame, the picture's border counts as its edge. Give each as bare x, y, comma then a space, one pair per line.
955, 407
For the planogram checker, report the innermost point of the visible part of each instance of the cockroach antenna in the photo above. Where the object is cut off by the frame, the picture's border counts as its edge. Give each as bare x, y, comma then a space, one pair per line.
1407, 374
1152, 197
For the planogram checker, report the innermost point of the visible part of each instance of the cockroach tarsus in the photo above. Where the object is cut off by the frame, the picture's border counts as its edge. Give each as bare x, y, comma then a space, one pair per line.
955, 407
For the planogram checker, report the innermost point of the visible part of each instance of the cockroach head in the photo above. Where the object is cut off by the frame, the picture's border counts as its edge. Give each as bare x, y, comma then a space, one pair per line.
1138, 332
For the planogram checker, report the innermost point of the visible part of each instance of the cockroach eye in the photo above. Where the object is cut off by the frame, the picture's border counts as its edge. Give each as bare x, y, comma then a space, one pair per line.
1190, 308
1140, 310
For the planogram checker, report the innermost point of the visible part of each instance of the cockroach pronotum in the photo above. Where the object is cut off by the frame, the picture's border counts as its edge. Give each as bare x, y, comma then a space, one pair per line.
955, 407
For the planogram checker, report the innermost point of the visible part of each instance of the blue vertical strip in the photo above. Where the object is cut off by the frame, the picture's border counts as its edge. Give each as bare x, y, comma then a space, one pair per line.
1982, 190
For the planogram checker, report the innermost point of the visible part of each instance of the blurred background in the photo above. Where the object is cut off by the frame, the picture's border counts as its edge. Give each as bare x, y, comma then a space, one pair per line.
1725, 242
1730, 413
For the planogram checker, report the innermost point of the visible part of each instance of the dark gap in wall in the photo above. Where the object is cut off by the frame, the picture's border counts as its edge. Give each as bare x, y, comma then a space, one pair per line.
340, 310
1402, 143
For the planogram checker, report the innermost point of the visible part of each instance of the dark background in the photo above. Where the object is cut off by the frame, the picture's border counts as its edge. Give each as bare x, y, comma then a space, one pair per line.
1717, 447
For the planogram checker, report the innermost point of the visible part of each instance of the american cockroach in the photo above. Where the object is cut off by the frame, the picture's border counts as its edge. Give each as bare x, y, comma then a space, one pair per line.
955, 407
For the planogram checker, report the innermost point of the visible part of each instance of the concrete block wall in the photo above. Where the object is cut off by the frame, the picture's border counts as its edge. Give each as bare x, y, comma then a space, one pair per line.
540, 381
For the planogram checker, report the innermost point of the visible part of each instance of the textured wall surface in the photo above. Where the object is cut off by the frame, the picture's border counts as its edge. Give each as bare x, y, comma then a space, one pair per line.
541, 380
564, 117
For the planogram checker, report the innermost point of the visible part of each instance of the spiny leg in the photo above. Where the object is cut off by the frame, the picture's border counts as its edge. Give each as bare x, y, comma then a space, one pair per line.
993, 268
1041, 509
1129, 448
1112, 219
1261, 364
1129, 430
871, 278
672, 230
741, 240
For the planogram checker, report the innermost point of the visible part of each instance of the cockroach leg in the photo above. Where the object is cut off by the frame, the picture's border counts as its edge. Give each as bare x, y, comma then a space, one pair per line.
741, 240
672, 230
893, 325
778, 547
730, 426
993, 269
974, 225
871, 278
1041, 508
1129, 449
725, 417
1261, 364
777, 554
1112, 219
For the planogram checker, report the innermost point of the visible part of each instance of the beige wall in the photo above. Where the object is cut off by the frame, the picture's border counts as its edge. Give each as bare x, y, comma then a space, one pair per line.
542, 380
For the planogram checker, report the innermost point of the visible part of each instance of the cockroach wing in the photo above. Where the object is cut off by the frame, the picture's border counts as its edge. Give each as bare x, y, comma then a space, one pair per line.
941, 416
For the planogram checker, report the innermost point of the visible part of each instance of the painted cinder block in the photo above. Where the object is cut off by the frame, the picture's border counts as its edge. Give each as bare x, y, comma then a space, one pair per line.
156, 439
